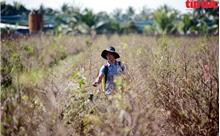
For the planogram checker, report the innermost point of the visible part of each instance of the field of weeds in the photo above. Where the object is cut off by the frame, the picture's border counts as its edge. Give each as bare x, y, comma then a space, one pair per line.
170, 87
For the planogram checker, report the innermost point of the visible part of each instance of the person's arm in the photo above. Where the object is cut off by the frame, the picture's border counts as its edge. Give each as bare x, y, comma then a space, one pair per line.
123, 67
98, 80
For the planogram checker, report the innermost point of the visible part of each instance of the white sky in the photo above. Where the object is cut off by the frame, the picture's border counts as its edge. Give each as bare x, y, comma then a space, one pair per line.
105, 5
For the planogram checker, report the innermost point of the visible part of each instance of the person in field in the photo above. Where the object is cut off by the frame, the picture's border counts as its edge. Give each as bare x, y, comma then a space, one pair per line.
111, 69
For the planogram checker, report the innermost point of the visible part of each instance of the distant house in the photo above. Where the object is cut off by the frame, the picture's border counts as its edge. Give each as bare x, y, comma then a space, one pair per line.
17, 29
19, 24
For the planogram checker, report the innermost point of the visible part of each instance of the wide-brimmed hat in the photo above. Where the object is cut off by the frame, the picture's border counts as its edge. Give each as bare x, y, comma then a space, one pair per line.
110, 49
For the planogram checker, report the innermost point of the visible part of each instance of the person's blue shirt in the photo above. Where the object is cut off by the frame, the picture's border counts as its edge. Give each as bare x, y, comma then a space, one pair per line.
113, 70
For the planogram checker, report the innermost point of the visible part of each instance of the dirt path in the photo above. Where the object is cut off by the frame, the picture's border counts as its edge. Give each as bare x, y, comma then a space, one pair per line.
59, 79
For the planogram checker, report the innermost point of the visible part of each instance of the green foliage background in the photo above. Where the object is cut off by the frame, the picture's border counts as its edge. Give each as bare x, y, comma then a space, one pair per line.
73, 19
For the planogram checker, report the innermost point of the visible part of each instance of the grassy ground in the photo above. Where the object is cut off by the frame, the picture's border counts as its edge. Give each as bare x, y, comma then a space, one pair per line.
170, 86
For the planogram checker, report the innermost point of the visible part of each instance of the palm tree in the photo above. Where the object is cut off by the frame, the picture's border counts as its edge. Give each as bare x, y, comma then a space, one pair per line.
207, 20
166, 20
95, 22
186, 23
145, 14
49, 11
130, 12
41, 9
20, 9
117, 14
64, 7
75, 20
7, 9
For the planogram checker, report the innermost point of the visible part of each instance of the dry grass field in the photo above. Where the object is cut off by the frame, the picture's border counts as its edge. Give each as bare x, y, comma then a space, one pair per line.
171, 86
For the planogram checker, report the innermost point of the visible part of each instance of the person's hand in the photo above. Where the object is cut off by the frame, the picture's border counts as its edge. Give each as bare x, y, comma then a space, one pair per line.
95, 84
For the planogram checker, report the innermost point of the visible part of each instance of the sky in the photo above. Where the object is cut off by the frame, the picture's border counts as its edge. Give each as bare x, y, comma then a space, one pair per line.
105, 5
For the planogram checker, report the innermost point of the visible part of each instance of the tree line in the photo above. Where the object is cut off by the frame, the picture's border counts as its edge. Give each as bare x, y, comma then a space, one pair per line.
165, 20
